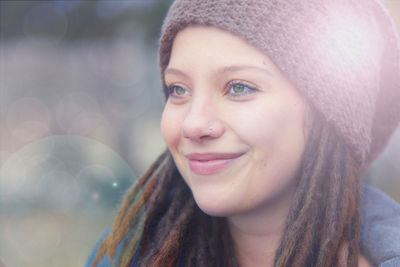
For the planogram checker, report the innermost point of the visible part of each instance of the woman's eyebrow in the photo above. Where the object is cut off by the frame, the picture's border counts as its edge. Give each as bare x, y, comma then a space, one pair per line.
236, 68
173, 71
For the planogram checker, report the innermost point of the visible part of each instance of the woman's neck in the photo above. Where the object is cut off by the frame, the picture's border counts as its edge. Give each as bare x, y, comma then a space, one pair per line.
253, 250
256, 235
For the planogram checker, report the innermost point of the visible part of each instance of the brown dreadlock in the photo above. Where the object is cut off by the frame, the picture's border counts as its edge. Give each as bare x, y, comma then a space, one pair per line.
159, 223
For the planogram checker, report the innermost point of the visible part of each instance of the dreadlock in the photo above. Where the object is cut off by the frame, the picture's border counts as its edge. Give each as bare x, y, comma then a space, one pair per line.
323, 224
159, 223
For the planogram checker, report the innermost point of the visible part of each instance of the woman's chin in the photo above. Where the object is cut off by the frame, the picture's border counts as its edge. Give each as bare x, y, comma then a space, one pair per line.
216, 211
216, 206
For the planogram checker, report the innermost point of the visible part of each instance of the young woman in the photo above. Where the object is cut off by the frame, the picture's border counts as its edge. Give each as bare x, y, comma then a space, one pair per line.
274, 109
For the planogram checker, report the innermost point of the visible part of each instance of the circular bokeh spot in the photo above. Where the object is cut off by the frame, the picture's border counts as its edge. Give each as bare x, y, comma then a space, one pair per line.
58, 194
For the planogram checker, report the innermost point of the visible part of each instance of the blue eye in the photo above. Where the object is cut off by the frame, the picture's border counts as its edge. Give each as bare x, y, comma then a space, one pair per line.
240, 88
177, 91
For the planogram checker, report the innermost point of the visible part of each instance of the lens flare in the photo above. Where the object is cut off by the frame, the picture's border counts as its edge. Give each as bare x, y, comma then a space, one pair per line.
348, 42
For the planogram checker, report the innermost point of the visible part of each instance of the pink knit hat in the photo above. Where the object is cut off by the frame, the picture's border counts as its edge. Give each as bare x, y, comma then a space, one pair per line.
342, 55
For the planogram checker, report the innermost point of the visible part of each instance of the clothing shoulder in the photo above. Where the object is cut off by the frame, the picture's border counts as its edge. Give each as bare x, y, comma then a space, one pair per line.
380, 232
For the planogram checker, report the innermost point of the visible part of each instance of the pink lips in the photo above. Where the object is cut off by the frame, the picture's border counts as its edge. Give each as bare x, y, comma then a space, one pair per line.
209, 163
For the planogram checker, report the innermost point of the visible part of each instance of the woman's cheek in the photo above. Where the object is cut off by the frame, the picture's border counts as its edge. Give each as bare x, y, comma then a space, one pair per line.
170, 126
256, 125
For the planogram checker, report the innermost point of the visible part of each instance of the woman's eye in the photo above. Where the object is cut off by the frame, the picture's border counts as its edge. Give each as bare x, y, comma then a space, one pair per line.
239, 88
176, 90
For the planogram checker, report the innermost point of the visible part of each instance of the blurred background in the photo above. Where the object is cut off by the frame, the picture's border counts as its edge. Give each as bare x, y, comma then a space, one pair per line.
80, 104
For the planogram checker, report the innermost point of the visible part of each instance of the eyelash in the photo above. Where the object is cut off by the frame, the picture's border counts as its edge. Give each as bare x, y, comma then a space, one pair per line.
248, 89
170, 89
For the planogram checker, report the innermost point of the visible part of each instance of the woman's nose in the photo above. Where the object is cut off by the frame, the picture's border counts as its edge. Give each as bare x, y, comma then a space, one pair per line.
202, 123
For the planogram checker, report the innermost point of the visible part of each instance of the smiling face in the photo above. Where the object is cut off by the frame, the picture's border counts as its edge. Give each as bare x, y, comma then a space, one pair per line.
233, 124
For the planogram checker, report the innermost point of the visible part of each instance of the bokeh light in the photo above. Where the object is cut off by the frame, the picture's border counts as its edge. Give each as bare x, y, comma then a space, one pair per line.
28, 119
73, 105
66, 182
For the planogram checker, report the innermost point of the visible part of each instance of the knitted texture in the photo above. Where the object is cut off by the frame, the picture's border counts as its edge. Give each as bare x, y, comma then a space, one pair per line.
342, 55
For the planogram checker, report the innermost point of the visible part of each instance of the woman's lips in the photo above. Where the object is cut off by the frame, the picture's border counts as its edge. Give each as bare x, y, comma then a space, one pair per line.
209, 163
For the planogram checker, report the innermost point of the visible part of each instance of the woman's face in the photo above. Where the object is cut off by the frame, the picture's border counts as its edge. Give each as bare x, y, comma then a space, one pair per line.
233, 123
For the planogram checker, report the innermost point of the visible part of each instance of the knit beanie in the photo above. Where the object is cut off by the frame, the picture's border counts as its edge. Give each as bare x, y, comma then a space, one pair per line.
342, 55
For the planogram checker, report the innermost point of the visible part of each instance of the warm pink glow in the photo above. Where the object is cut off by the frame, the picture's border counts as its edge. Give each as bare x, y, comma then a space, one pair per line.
348, 42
